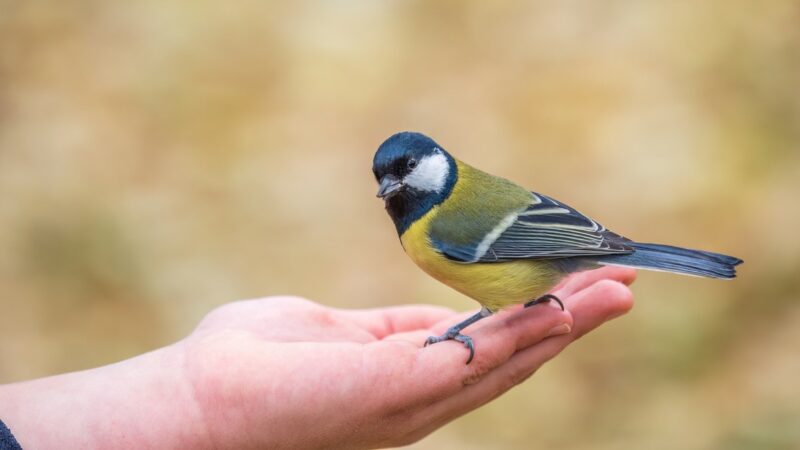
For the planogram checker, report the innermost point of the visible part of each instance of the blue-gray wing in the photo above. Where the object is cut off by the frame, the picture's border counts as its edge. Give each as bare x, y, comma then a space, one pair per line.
547, 229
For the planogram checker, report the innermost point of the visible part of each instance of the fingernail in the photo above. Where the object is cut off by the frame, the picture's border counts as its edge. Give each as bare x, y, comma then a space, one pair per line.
564, 328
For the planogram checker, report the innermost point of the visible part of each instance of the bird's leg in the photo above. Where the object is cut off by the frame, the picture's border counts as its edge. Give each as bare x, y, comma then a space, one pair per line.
545, 298
454, 333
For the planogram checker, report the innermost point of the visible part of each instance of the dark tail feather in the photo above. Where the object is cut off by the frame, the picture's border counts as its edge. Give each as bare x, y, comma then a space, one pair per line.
675, 259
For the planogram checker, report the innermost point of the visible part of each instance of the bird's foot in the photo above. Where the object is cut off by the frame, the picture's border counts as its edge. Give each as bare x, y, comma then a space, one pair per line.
545, 298
454, 334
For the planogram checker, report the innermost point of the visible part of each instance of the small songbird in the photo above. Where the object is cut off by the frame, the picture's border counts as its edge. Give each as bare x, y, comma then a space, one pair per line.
499, 243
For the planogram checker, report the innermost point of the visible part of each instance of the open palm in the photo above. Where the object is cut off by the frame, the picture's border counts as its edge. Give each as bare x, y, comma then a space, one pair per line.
286, 370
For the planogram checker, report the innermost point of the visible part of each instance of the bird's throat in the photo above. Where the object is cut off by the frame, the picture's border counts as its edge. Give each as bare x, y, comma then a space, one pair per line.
406, 208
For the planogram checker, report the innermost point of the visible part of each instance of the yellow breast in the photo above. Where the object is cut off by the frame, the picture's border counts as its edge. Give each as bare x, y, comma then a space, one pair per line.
494, 285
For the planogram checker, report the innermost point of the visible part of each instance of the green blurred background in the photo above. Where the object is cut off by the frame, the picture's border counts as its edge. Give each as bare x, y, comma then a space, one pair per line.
160, 158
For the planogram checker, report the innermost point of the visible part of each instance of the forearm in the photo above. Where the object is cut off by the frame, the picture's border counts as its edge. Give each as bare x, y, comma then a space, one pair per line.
143, 402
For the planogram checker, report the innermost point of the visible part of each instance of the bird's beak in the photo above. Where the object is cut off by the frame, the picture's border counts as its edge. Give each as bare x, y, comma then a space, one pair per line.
390, 185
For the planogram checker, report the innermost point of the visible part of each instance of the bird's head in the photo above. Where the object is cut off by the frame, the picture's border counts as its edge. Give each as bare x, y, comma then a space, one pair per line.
414, 173
411, 163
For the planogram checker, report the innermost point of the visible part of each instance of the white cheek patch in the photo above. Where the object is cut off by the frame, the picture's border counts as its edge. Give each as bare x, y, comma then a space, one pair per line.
430, 175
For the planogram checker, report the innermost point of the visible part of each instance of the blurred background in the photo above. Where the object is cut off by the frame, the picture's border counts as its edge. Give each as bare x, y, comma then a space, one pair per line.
158, 159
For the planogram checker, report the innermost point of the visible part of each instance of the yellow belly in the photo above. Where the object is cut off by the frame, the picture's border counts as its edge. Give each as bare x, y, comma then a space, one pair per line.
493, 285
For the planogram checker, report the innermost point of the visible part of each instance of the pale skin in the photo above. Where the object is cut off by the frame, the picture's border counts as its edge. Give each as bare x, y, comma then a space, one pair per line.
284, 372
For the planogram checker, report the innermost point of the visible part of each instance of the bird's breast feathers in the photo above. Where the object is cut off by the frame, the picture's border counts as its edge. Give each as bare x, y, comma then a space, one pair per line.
464, 219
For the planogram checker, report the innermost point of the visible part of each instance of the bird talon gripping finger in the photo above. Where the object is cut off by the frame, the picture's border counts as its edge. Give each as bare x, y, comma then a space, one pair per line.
436, 339
467, 341
458, 337
499, 243
544, 299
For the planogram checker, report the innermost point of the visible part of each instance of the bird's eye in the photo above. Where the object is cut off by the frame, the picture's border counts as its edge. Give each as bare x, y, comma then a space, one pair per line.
412, 163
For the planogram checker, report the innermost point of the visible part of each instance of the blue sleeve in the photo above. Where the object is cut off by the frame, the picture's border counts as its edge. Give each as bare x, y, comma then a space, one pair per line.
7, 441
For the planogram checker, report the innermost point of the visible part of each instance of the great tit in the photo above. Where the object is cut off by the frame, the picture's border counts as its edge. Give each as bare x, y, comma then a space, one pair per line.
499, 243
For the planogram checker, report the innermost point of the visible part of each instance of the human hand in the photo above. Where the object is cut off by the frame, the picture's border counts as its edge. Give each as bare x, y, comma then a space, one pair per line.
283, 372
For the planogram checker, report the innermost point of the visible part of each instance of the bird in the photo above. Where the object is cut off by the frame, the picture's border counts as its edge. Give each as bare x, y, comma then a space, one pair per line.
499, 243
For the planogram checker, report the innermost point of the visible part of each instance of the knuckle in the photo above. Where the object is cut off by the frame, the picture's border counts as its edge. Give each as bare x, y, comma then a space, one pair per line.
517, 376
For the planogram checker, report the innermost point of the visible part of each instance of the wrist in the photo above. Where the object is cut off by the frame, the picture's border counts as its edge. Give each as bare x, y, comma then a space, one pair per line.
137, 403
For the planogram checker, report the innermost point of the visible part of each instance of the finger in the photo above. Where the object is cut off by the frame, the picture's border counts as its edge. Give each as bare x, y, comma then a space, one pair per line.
442, 368
564, 291
572, 284
512, 331
382, 322
418, 337
582, 280
590, 308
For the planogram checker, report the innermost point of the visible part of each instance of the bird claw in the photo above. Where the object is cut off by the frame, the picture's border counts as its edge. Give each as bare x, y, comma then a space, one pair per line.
454, 336
545, 298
